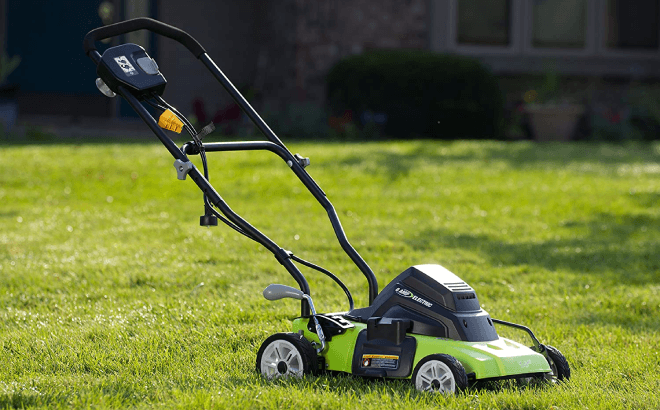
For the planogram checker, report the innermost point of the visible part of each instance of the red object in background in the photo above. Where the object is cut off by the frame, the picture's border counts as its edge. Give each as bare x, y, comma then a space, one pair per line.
230, 113
612, 116
615, 118
339, 123
199, 111
226, 116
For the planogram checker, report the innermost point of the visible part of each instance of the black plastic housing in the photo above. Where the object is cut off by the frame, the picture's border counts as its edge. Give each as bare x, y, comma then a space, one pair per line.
435, 301
393, 330
119, 67
382, 357
332, 325
208, 220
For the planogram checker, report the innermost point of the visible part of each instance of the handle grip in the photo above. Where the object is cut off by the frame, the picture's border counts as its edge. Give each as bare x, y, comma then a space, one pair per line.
275, 292
142, 23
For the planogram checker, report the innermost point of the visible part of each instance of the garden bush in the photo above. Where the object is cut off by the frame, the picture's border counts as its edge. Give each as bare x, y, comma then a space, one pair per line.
422, 94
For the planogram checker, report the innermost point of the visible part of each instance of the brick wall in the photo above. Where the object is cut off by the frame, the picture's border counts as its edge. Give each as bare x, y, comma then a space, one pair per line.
303, 39
283, 48
228, 30
275, 68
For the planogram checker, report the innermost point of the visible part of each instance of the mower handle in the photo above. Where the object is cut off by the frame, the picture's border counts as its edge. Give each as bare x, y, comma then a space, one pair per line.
142, 23
185, 39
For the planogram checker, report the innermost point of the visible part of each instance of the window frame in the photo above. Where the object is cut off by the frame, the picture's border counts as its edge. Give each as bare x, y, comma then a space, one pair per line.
515, 32
521, 36
606, 51
589, 40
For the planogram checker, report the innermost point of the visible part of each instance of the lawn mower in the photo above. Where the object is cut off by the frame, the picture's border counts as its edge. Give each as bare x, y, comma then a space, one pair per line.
426, 325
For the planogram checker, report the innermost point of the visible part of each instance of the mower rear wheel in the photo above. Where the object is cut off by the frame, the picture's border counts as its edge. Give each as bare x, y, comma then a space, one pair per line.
440, 373
561, 371
286, 355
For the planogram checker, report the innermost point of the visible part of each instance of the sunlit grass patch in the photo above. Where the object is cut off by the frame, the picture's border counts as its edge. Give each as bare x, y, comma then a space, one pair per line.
111, 295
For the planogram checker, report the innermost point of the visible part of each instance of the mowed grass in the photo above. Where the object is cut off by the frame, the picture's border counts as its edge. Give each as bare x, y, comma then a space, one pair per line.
112, 296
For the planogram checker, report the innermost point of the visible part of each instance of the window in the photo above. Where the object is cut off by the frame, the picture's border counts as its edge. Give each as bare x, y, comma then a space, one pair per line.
598, 35
559, 23
484, 22
632, 24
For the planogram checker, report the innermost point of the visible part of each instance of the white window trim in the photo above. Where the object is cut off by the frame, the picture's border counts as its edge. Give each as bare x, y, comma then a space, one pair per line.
605, 51
515, 32
521, 33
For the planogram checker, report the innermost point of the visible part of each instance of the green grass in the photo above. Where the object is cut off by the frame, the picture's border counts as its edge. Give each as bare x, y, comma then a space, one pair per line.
112, 296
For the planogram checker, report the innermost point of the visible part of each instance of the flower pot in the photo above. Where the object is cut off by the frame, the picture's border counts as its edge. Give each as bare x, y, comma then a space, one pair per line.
554, 122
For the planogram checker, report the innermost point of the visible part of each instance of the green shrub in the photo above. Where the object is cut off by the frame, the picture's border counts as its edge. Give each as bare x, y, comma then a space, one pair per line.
423, 94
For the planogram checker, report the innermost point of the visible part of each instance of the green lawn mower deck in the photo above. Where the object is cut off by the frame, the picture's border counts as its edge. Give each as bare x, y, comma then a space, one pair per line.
426, 325
355, 352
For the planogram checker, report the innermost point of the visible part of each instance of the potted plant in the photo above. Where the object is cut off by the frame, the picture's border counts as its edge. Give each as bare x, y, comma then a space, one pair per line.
8, 92
553, 116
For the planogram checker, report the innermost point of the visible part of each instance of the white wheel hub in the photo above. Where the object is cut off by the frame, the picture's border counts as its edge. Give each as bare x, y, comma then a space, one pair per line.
435, 376
281, 359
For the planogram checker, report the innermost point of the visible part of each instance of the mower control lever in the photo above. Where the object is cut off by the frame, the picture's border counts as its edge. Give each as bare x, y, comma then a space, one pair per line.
275, 292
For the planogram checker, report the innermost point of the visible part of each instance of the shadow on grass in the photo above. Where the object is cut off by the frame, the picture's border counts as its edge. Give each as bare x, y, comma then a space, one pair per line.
515, 155
608, 249
29, 397
137, 135
646, 199
346, 383
45, 139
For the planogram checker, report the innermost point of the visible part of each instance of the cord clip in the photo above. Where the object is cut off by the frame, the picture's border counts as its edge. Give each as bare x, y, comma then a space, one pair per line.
282, 254
210, 127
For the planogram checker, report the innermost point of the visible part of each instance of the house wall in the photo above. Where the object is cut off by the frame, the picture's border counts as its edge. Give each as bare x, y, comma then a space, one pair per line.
283, 49
520, 57
41, 33
228, 30
328, 30
3, 25
275, 70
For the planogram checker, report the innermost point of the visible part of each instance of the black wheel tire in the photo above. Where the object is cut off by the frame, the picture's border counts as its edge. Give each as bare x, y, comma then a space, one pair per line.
437, 382
286, 355
561, 371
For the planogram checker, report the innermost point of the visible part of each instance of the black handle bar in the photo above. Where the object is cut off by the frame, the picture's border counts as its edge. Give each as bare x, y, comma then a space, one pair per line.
141, 23
198, 51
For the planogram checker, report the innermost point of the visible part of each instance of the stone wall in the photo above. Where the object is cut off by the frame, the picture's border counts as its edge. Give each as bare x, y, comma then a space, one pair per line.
228, 30
282, 49
274, 79
305, 38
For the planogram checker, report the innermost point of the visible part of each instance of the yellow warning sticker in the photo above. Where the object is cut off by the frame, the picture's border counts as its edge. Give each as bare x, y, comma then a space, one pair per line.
379, 356
380, 361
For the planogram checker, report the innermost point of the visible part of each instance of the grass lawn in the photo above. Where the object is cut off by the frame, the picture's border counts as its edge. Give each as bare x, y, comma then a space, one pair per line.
112, 296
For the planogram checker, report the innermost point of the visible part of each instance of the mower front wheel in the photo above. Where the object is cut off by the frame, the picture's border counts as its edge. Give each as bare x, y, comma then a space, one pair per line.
561, 371
440, 373
286, 355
